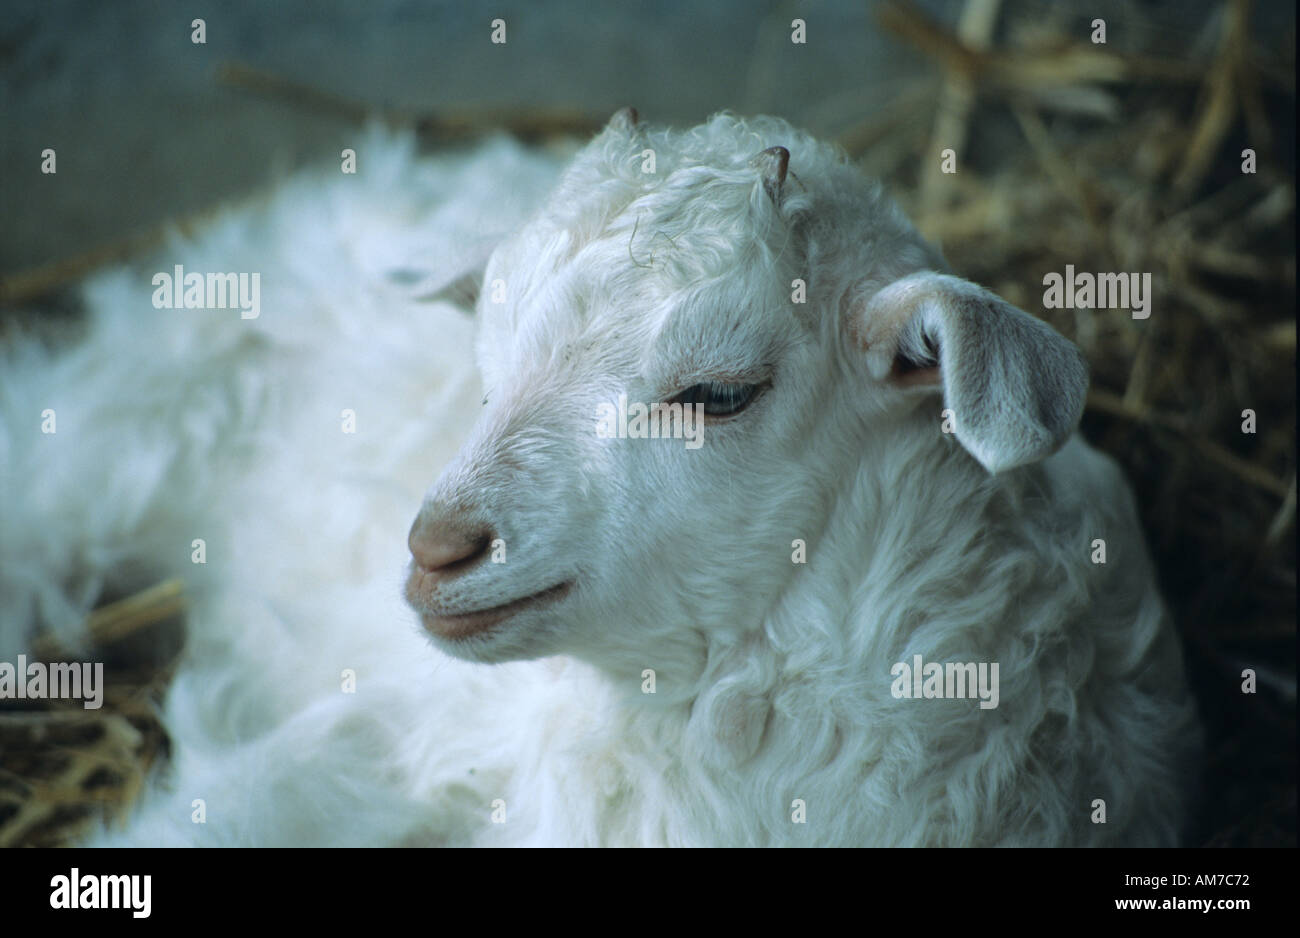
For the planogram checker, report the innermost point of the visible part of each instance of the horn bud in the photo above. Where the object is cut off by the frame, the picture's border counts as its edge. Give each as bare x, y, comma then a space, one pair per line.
624, 120
772, 163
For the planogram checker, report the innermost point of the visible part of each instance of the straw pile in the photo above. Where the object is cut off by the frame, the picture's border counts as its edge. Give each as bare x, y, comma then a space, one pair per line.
62, 765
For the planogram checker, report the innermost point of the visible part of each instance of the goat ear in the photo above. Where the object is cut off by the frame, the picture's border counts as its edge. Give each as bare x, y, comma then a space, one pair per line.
1015, 386
462, 292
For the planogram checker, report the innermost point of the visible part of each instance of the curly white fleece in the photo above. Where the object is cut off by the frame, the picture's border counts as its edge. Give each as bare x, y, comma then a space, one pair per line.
772, 678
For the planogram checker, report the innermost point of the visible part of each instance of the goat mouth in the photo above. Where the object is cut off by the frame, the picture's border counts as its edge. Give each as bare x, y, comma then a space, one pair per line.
460, 625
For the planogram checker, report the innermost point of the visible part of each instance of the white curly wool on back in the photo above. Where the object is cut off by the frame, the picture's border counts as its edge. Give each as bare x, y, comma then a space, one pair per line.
773, 720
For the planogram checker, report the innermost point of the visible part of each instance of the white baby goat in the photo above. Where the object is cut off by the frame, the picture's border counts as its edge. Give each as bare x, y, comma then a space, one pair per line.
725, 634
775, 716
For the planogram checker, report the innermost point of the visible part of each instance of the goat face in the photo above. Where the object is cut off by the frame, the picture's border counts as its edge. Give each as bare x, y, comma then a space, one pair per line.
547, 535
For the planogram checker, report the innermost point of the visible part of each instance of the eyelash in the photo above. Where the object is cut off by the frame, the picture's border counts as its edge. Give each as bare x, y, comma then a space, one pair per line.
719, 400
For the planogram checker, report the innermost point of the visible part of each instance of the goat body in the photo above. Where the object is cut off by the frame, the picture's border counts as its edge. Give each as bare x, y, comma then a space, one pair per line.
606, 639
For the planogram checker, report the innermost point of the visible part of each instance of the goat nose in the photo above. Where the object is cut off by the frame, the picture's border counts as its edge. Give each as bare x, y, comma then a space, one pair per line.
442, 547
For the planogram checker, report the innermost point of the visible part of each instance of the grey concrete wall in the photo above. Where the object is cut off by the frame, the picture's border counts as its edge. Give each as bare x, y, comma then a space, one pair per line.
144, 133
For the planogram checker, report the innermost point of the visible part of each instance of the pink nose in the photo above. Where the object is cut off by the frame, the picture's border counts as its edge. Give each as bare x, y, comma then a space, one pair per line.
445, 547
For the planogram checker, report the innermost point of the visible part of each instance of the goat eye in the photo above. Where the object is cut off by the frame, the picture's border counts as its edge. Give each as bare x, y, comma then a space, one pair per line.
719, 400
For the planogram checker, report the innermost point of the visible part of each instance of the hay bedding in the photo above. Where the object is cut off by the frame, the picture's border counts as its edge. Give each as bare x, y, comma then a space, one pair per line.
1124, 157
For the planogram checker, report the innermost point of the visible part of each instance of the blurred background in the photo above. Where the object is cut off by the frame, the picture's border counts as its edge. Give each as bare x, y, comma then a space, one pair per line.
1125, 155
